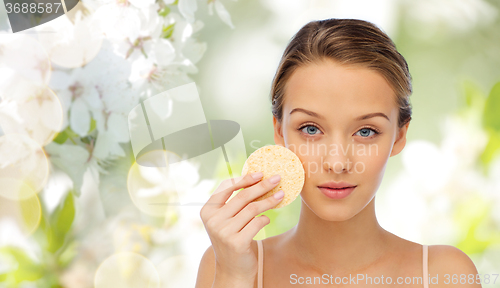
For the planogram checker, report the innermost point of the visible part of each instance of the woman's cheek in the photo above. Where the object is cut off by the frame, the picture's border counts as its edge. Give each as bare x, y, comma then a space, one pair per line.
309, 161
310, 155
373, 161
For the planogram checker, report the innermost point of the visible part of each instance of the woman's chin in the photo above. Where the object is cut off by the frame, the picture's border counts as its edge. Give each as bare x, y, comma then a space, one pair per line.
330, 213
335, 216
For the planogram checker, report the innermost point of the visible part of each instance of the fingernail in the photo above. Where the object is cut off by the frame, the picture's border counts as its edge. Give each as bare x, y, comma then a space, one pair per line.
278, 195
257, 175
275, 179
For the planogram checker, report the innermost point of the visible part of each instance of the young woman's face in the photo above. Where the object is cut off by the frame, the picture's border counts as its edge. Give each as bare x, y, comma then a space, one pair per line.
341, 121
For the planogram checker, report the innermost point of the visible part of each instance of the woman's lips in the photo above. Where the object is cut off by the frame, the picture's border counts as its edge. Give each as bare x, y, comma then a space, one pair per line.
337, 193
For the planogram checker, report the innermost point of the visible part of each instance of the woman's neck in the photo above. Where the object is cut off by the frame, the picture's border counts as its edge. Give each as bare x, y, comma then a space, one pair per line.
344, 246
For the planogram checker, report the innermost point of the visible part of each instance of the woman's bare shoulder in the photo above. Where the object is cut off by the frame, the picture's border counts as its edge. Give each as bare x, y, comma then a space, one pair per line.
444, 261
401, 246
449, 260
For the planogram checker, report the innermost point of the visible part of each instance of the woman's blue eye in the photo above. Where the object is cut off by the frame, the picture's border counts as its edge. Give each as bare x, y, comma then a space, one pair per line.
310, 128
365, 132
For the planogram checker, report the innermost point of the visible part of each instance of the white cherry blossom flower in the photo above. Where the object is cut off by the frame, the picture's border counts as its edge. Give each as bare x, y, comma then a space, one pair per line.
24, 56
187, 8
31, 109
74, 160
74, 44
221, 12
119, 21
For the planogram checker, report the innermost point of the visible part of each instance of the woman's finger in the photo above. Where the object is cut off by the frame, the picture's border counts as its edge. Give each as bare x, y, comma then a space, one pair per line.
253, 209
247, 195
253, 227
226, 189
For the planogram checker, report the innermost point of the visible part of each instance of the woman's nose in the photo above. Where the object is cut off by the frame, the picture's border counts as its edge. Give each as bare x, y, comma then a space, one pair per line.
338, 156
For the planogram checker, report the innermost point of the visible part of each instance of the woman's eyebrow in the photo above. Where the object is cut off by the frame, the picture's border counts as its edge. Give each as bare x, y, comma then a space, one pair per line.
370, 115
310, 113
362, 117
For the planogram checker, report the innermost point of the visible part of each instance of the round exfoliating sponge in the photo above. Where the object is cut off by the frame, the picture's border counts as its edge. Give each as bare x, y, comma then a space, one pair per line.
276, 159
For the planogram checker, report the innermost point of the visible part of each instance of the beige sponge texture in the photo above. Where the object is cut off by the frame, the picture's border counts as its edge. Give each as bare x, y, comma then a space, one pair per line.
276, 159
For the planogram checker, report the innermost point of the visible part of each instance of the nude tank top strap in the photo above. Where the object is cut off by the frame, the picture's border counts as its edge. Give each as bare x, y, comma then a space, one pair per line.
260, 263
426, 271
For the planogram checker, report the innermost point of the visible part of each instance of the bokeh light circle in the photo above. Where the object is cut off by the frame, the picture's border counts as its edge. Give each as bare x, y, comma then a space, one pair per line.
37, 111
151, 189
26, 56
177, 271
126, 270
22, 162
22, 207
75, 43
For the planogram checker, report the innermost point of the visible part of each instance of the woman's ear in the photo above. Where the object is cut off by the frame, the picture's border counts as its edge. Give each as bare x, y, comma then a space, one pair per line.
278, 133
400, 142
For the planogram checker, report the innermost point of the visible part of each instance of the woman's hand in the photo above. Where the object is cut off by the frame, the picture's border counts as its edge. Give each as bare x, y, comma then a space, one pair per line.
232, 226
